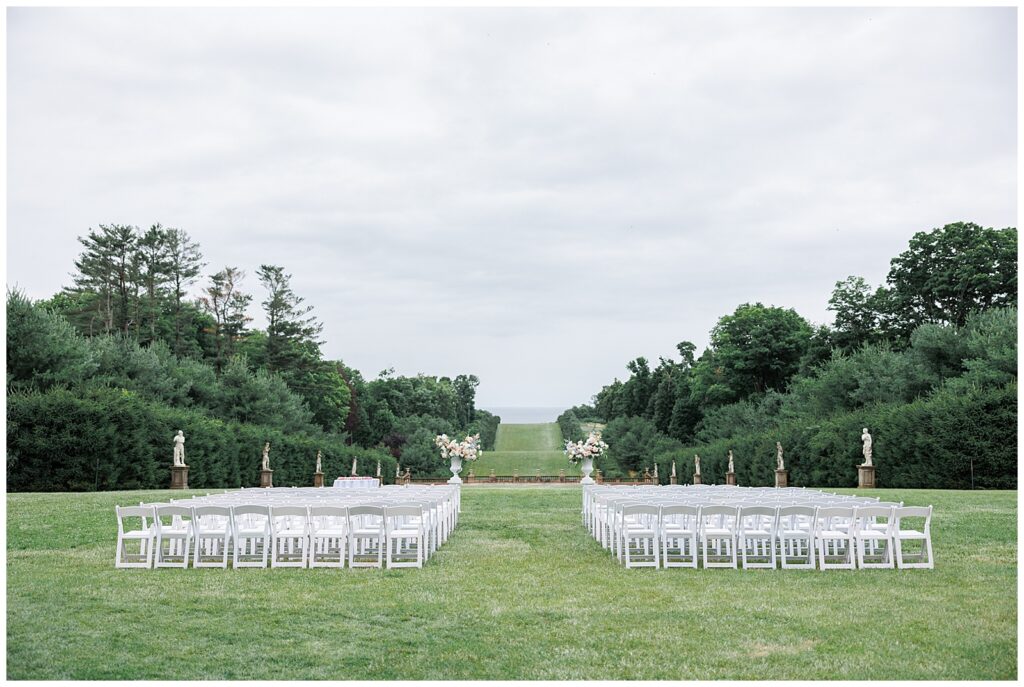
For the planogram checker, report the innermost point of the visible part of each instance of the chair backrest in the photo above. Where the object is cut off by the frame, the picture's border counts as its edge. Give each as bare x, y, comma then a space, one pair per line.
913, 512
251, 509
163, 510
680, 509
403, 511
328, 511
640, 509
143, 512
366, 510
222, 511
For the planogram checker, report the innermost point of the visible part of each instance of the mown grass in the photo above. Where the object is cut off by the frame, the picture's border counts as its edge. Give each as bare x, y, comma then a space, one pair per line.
525, 448
520, 591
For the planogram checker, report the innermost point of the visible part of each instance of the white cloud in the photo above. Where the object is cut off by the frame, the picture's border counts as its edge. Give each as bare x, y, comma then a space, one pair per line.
573, 187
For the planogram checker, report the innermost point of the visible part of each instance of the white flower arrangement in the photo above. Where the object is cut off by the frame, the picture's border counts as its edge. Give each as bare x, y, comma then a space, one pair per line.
591, 448
467, 449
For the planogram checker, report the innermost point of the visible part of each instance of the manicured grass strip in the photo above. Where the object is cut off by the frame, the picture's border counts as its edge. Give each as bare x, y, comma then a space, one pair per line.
540, 437
526, 462
520, 591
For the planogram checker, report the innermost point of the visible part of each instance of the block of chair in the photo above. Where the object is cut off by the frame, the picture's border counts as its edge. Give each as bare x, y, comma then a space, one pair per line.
794, 533
756, 536
405, 536
718, 527
640, 525
679, 535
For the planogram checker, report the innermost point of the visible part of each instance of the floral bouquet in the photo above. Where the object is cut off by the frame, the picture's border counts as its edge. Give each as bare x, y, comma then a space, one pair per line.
582, 450
467, 449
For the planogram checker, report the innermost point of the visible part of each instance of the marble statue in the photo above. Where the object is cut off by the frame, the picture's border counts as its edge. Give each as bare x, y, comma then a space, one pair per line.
179, 449
353, 467
655, 471
779, 465
732, 468
398, 470
266, 456
673, 468
696, 464
378, 469
318, 468
866, 438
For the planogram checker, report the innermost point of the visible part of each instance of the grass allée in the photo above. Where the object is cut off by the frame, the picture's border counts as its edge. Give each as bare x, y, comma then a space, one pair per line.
519, 592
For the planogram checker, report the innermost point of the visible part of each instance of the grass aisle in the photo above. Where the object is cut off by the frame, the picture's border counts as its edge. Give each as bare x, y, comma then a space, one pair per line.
519, 592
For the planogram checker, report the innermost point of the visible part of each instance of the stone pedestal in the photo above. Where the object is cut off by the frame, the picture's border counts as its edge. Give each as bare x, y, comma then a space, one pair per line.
492, 477
561, 475
470, 478
866, 476
266, 478
730, 479
600, 477
179, 477
697, 479
781, 479
515, 475
672, 479
318, 479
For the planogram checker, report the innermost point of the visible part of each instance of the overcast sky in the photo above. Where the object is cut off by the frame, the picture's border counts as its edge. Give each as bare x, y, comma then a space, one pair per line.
532, 196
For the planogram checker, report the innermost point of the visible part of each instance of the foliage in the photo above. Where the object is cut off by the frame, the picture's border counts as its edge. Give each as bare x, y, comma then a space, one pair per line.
570, 426
112, 438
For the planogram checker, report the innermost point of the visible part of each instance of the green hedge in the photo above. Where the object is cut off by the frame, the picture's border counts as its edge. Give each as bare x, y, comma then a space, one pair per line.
570, 425
927, 444
108, 439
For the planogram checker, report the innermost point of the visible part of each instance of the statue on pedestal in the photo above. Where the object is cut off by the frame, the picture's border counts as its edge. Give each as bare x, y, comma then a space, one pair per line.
378, 469
266, 456
318, 469
779, 465
673, 468
696, 464
655, 471
732, 468
179, 449
353, 467
866, 438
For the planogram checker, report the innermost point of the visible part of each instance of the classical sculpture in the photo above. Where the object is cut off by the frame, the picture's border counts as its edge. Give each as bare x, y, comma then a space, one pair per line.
866, 438
655, 471
353, 467
696, 464
673, 468
779, 465
179, 449
318, 469
732, 468
378, 469
398, 471
266, 456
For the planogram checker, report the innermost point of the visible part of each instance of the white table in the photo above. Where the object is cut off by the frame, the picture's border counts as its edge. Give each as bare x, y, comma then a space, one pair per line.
356, 483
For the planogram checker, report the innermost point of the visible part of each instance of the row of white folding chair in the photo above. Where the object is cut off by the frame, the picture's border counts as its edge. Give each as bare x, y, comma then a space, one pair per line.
763, 531
263, 529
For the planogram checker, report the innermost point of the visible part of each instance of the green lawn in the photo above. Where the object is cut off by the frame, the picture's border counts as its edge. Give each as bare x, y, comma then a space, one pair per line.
542, 437
520, 591
526, 449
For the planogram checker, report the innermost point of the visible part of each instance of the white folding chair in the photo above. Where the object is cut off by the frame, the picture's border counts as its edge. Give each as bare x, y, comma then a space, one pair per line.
405, 535
795, 533
251, 541
367, 537
212, 532
832, 530
872, 537
922, 559
145, 536
640, 525
718, 524
679, 526
328, 533
173, 528
289, 530
757, 534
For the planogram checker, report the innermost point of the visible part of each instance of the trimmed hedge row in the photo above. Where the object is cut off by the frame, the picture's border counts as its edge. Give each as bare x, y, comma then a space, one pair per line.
108, 439
931, 443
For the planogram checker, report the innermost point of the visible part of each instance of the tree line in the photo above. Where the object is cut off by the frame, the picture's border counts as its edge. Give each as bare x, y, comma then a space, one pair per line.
125, 344
936, 342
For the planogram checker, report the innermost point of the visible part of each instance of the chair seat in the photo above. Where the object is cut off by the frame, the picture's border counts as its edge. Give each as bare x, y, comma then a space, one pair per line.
138, 534
796, 533
331, 533
756, 533
291, 533
360, 532
243, 532
833, 534
910, 534
717, 532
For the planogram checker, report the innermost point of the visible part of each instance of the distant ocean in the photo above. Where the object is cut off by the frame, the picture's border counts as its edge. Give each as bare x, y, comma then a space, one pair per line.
526, 415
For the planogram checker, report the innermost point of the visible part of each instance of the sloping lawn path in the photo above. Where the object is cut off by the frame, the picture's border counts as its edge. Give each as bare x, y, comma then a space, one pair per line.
520, 591
525, 449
